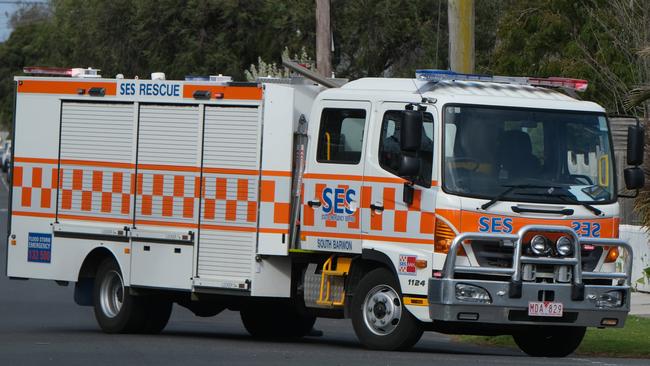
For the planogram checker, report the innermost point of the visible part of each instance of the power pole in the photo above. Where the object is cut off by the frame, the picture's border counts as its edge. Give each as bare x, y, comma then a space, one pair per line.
323, 38
461, 35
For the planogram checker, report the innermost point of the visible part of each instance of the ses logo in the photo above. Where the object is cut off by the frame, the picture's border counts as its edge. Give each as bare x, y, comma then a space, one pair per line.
338, 204
505, 225
495, 224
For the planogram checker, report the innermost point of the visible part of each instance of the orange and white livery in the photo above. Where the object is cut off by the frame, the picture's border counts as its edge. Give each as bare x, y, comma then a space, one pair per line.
458, 203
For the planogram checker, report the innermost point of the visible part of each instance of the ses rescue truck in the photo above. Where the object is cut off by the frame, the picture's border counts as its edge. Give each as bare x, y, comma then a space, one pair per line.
449, 202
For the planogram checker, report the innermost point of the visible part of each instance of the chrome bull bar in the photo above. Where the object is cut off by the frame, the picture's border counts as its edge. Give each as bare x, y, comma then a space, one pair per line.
450, 268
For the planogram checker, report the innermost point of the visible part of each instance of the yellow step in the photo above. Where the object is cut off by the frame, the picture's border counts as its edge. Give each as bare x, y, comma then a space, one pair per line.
334, 273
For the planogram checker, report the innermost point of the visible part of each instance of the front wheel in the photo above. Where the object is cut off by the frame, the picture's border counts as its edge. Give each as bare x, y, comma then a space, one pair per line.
549, 341
379, 317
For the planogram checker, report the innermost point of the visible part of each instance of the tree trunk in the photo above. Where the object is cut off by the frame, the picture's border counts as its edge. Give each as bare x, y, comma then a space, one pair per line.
323, 38
461, 35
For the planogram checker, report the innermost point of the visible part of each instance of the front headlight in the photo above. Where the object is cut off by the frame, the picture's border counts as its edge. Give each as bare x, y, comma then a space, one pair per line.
610, 299
564, 246
471, 293
539, 245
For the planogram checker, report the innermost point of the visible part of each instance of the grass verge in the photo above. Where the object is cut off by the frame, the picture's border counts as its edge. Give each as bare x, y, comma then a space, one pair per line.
633, 340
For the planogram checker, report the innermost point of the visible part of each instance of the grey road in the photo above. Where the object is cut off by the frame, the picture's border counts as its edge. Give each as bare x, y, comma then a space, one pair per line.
41, 325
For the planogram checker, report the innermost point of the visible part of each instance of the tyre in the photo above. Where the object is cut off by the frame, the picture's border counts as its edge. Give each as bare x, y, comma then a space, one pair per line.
273, 320
117, 311
158, 312
379, 317
549, 341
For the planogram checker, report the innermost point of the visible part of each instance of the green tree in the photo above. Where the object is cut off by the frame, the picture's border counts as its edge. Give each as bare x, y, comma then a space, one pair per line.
592, 39
29, 45
387, 37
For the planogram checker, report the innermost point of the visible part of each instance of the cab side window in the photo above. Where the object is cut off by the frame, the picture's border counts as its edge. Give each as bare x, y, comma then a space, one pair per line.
340, 139
390, 154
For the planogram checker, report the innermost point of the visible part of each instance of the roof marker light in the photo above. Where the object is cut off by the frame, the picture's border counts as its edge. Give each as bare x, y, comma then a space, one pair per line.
76, 72
219, 79
196, 78
47, 71
439, 75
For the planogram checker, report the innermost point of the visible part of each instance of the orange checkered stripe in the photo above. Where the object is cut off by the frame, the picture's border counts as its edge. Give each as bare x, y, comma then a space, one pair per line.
34, 188
96, 191
398, 222
167, 196
275, 195
397, 216
229, 198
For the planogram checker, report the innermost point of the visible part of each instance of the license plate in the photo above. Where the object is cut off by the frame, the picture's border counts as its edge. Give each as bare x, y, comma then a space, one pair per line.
545, 308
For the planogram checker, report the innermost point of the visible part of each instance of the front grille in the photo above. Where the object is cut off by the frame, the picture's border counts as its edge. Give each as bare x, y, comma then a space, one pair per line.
495, 254
590, 258
492, 253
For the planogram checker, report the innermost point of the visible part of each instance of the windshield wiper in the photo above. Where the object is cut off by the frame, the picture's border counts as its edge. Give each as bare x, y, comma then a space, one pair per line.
511, 188
570, 199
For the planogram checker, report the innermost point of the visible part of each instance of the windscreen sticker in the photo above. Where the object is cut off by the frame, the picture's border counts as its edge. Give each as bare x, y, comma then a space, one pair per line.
39, 247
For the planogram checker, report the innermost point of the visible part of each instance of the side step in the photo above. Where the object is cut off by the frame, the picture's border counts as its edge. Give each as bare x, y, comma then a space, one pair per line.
327, 289
330, 276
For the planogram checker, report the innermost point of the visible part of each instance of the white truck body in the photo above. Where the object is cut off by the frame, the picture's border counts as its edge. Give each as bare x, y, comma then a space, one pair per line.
188, 186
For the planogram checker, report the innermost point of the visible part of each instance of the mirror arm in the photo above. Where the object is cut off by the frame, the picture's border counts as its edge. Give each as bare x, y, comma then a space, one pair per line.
412, 106
407, 194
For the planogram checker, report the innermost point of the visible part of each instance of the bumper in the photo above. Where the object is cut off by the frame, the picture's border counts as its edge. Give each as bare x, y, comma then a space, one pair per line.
505, 310
509, 298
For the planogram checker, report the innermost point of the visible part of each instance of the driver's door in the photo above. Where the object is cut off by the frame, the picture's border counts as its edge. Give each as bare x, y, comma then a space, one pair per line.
385, 215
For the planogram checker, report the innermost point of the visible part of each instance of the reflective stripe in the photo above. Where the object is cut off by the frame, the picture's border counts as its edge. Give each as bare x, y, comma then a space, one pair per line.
416, 301
64, 86
229, 92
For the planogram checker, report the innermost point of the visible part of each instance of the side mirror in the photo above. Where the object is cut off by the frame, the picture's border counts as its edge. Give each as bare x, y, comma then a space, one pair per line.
409, 166
635, 142
634, 178
411, 131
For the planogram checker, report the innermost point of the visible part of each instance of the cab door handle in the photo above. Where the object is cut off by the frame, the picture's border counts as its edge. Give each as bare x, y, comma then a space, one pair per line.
314, 203
374, 207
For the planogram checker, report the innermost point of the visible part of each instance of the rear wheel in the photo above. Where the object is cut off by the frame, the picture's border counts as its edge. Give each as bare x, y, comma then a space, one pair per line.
117, 311
549, 341
158, 312
379, 317
267, 320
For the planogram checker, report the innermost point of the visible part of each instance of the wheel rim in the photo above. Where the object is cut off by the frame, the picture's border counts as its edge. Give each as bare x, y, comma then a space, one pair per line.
382, 310
111, 294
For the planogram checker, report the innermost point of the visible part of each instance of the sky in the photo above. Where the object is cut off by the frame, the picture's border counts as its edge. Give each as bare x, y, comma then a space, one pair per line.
7, 8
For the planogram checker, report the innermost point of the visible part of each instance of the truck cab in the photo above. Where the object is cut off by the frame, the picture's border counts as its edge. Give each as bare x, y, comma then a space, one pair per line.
501, 218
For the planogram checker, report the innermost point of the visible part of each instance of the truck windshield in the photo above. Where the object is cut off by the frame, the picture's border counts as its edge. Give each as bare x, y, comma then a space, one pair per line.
488, 149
